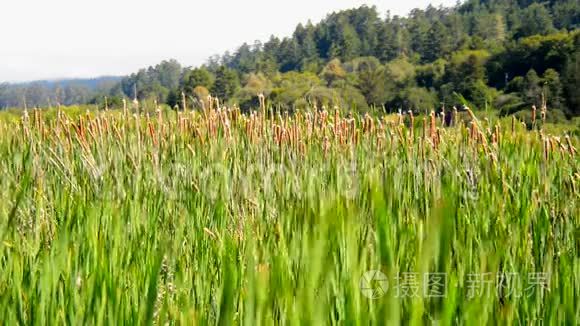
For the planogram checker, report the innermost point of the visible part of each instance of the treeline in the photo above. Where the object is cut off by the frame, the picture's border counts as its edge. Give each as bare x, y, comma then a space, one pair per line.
505, 54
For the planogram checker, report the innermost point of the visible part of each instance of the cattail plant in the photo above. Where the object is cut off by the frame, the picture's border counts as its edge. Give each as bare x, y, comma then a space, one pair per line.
571, 148
546, 147
399, 118
411, 134
471, 114
432, 125
125, 111
318, 185
543, 114
183, 102
25, 122
497, 134
151, 130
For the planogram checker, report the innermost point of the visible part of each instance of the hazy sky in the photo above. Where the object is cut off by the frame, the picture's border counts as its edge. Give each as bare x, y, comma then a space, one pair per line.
44, 39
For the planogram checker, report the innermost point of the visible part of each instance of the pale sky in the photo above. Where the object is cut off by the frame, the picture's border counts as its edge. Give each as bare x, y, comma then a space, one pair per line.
48, 39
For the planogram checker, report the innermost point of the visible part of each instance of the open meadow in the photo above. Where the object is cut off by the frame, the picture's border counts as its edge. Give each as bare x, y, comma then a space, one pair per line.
316, 217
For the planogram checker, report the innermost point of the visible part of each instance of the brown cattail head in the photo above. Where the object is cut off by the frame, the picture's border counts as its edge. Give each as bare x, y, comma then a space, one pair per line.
125, 112
152, 133
546, 143
533, 114
366, 125
433, 124
136, 104
209, 102
81, 128
36, 117
571, 148
336, 120
543, 114
262, 101
183, 103
25, 120
471, 114
552, 144
411, 125
473, 132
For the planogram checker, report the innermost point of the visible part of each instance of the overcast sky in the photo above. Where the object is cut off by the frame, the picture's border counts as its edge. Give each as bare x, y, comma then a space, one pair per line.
47, 39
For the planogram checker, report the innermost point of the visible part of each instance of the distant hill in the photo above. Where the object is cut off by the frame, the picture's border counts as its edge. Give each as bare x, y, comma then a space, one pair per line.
91, 83
51, 92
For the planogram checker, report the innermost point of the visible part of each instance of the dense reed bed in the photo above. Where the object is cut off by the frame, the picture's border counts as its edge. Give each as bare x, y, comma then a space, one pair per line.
219, 217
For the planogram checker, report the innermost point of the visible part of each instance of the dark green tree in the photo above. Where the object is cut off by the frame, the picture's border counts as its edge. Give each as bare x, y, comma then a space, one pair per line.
437, 44
571, 77
226, 83
535, 19
532, 89
371, 80
196, 77
553, 90
346, 44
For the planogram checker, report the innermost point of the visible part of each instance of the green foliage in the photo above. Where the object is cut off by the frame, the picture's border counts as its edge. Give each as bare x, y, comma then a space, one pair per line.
466, 75
552, 89
371, 80
333, 72
321, 96
566, 14
571, 75
415, 98
291, 88
490, 27
431, 75
351, 98
193, 78
510, 103
401, 72
154, 82
535, 20
532, 89
255, 84
438, 43
226, 83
